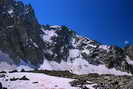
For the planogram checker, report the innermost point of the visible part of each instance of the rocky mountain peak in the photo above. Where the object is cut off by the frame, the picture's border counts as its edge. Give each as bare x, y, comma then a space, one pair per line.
25, 41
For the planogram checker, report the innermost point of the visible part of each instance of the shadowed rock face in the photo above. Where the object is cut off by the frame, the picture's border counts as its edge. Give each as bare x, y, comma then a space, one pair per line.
129, 51
18, 30
1, 87
23, 38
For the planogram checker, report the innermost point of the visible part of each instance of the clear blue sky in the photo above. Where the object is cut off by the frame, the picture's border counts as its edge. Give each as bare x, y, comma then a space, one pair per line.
107, 21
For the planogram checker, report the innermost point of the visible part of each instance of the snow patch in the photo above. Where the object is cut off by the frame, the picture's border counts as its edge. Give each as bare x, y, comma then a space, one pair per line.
73, 53
73, 41
43, 82
55, 26
5, 58
52, 65
11, 26
91, 45
10, 11
26, 68
104, 47
129, 61
86, 51
80, 66
34, 43
48, 34
46, 66
4, 66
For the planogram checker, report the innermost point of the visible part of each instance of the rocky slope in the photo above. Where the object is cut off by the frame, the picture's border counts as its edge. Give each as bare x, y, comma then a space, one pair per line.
23, 41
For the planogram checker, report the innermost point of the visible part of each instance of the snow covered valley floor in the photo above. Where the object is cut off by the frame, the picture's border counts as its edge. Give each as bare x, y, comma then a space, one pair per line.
25, 80
63, 80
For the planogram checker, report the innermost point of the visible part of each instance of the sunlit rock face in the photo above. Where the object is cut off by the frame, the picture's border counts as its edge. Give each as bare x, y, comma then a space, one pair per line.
26, 42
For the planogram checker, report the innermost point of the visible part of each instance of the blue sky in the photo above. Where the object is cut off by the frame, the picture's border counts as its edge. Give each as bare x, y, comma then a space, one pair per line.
107, 21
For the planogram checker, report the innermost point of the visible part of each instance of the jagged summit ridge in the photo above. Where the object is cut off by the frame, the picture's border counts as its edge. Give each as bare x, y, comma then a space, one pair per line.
26, 42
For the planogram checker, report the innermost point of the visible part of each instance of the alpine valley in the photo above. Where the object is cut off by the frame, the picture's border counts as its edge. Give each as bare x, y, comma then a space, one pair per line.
35, 56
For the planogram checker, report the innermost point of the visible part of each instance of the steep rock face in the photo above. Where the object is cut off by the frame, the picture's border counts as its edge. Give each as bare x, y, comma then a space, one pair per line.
25, 41
19, 32
129, 51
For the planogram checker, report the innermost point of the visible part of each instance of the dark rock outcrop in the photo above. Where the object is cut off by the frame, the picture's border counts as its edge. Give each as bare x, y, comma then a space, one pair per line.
129, 51
24, 78
104, 82
1, 87
18, 30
